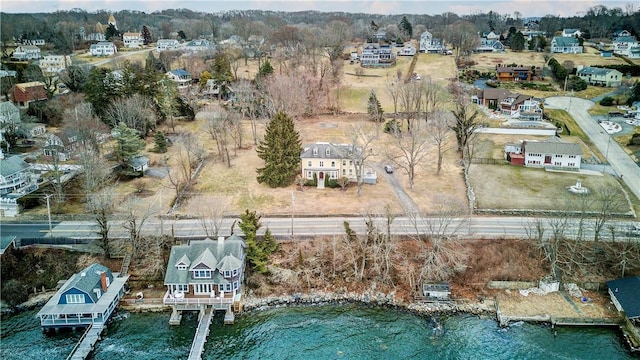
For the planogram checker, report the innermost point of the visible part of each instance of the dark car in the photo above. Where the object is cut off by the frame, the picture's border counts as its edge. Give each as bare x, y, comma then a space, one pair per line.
388, 169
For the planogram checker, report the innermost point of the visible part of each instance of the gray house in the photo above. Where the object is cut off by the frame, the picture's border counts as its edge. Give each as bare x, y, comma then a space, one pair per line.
625, 295
566, 45
600, 76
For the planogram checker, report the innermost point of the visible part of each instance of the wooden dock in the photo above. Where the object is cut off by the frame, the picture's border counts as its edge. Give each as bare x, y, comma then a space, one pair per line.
556, 321
86, 343
197, 347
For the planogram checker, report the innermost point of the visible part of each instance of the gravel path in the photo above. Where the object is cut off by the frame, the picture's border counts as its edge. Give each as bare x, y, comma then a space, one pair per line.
410, 206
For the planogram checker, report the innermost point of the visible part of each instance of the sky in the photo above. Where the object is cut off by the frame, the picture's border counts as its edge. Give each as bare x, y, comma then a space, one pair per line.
527, 8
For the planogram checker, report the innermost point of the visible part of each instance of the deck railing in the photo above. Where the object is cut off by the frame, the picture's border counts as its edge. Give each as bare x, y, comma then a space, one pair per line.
170, 300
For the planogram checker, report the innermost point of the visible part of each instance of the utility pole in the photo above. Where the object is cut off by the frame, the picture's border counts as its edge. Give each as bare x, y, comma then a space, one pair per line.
49, 213
293, 201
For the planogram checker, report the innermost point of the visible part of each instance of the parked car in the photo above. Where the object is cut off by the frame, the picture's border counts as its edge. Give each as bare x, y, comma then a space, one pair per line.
388, 169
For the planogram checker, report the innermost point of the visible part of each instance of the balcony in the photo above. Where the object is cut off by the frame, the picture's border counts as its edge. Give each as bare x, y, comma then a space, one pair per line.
186, 299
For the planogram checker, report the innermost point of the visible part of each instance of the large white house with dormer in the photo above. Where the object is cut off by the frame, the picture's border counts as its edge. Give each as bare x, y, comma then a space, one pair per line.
132, 40
624, 44
103, 48
428, 44
53, 64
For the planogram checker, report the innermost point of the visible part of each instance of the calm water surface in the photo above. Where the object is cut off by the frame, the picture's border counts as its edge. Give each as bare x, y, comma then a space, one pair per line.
323, 332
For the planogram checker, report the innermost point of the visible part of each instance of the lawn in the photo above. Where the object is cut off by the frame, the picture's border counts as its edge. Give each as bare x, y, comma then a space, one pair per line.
522, 188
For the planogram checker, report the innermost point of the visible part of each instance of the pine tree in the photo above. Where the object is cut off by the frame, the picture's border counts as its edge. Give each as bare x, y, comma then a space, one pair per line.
374, 108
146, 35
405, 27
280, 151
160, 141
257, 255
221, 73
128, 143
265, 69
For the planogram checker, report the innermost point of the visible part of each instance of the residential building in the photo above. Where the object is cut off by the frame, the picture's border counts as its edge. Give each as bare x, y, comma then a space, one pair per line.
26, 52
624, 295
86, 298
377, 55
515, 73
198, 45
36, 42
429, 44
624, 44
600, 76
333, 161
181, 77
532, 34
439, 291
529, 110
575, 33
491, 35
205, 273
490, 97
407, 50
487, 45
103, 48
34, 129
24, 93
167, 44
552, 153
9, 117
53, 64
139, 163
634, 53
15, 174
380, 35
620, 33
132, 40
566, 45
61, 144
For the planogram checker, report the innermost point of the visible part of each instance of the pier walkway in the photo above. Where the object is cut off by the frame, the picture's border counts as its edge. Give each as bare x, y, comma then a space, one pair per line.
197, 347
87, 342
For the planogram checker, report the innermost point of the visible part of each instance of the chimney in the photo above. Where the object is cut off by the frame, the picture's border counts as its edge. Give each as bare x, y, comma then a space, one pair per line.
104, 281
220, 240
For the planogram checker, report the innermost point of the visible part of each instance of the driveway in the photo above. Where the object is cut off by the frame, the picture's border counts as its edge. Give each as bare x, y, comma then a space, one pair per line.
410, 206
619, 161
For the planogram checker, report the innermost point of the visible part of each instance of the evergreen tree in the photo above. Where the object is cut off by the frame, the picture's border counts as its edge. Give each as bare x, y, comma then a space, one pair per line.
75, 77
280, 151
374, 109
265, 69
100, 90
128, 143
146, 35
405, 27
221, 73
111, 32
635, 93
161, 142
257, 251
517, 42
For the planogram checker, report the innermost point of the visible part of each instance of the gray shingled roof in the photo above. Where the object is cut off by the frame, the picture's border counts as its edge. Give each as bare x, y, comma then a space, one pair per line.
594, 71
12, 165
208, 252
565, 41
626, 292
9, 112
90, 280
552, 145
336, 151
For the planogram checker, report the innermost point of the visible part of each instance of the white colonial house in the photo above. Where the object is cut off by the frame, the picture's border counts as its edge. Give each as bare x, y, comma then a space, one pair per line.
53, 64
429, 44
552, 153
332, 161
167, 44
26, 52
624, 44
407, 50
132, 40
566, 45
103, 48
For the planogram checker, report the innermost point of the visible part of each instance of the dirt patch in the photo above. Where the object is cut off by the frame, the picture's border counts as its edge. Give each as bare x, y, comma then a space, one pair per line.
512, 303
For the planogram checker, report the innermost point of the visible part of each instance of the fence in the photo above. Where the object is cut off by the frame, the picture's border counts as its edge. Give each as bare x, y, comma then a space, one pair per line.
489, 161
52, 241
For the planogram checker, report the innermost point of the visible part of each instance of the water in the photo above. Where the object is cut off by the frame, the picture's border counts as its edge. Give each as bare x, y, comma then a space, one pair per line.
326, 332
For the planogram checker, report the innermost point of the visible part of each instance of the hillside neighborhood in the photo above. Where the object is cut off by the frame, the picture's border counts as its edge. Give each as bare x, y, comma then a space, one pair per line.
252, 128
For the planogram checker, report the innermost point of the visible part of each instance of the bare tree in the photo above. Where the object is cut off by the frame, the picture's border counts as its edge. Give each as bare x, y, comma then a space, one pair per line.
434, 96
411, 102
135, 111
188, 154
393, 90
462, 35
95, 173
219, 126
249, 105
463, 125
360, 151
136, 213
212, 216
609, 200
409, 150
102, 204
438, 129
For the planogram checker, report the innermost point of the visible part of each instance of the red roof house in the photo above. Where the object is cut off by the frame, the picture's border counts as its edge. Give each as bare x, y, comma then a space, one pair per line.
24, 93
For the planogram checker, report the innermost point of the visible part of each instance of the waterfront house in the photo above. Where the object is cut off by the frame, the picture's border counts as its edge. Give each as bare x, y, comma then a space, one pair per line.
333, 161
87, 298
491, 35
375, 55
15, 174
439, 291
429, 44
624, 44
103, 48
181, 77
167, 44
620, 33
24, 93
566, 45
139, 163
132, 40
26, 52
625, 295
552, 153
205, 273
600, 76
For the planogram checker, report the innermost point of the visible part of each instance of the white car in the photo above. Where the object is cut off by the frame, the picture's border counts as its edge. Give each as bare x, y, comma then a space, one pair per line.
388, 169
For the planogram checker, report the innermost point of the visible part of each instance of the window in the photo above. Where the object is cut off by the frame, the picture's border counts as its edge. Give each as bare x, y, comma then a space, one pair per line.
228, 286
344, 171
321, 163
235, 272
327, 152
309, 175
344, 162
558, 156
572, 156
315, 151
181, 287
333, 164
235, 285
182, 266
75, 298
201, 274
309, 163
227, 273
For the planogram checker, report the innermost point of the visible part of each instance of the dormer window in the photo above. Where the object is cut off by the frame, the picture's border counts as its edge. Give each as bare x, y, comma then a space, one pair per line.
181, 267
327, 152
315, 151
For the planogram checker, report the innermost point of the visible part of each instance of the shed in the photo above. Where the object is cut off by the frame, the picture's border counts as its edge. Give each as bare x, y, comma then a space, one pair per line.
439, 291
515, 159
625, 295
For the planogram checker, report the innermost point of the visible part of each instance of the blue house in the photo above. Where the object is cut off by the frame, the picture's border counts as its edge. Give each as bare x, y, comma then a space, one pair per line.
88, 297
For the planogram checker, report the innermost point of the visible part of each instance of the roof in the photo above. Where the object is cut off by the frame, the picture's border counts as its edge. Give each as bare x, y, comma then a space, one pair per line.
87, 279
28, 47
180, 72
565, 41
625, 39
595, 71
212, 253
131, 34
27, 85
9, 112
138, 161
512, 68
570, 31
495, 93
553, 145
336, 151
626, 292
5, 241
12, 165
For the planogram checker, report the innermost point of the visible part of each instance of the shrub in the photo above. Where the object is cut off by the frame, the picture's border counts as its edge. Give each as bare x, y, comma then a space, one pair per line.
606, 101
392, 127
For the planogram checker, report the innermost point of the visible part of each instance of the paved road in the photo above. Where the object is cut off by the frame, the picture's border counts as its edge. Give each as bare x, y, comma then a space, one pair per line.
474, 227
620, 162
